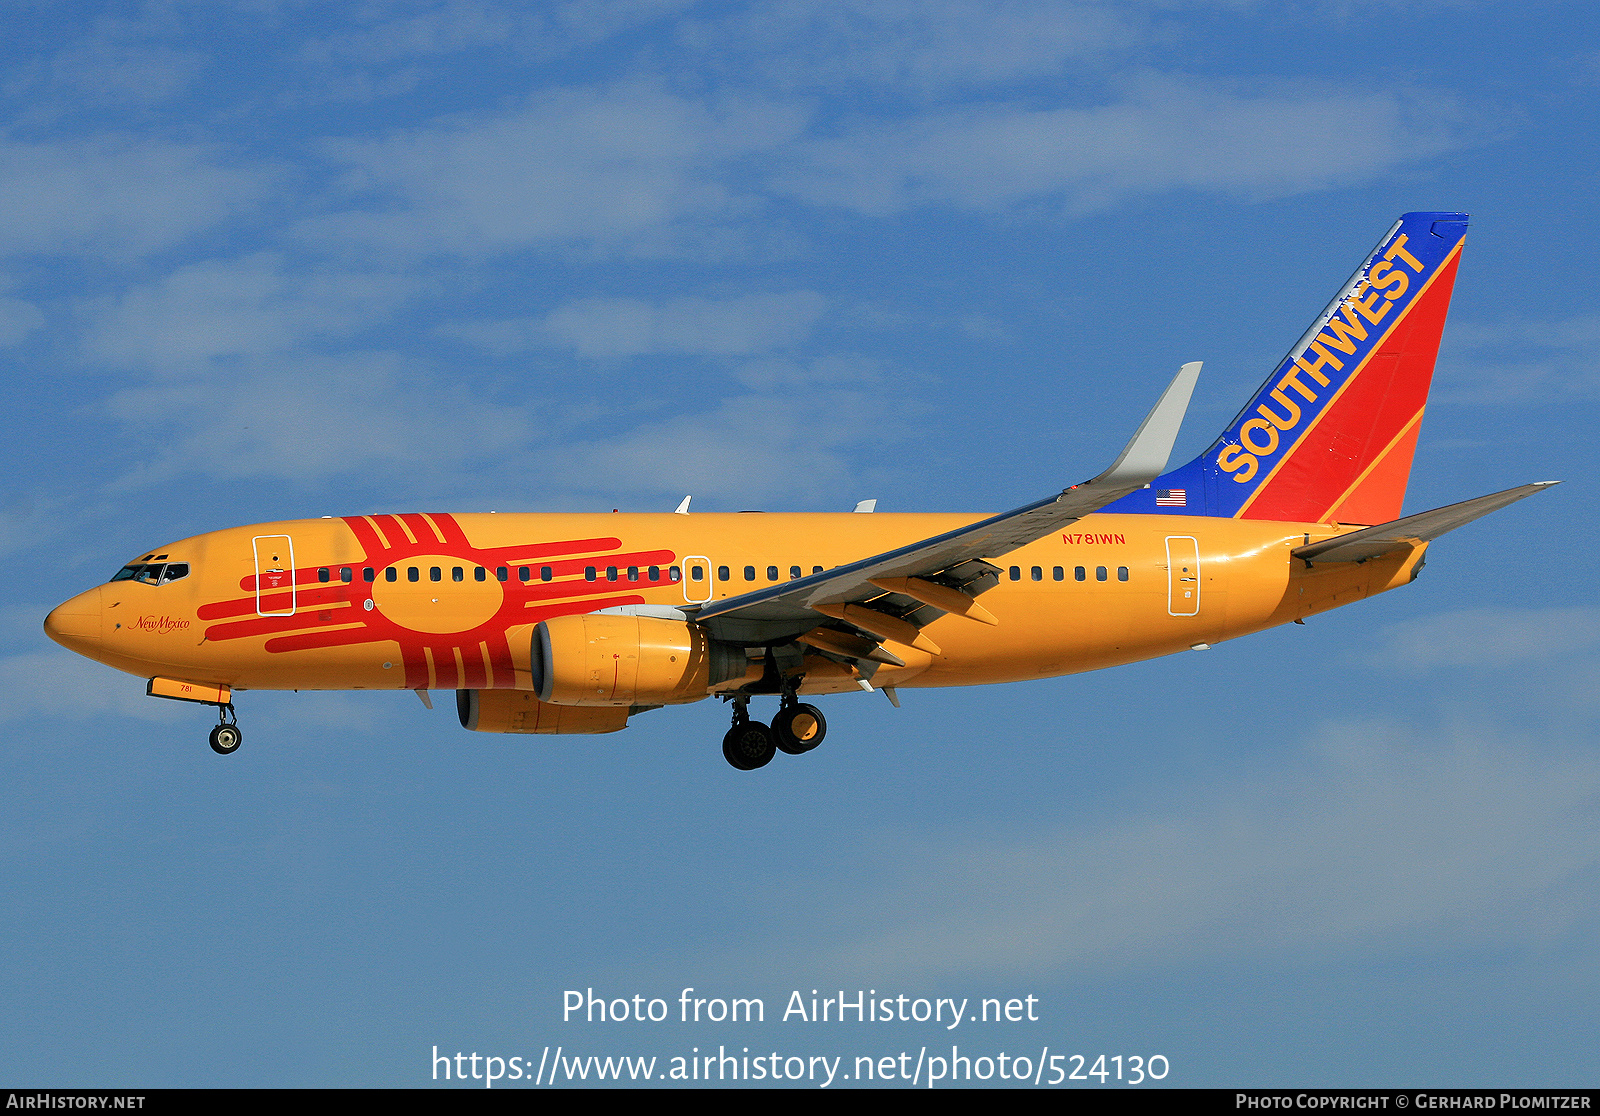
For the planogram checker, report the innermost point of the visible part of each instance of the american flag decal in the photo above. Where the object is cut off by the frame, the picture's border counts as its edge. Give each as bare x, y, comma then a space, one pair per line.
1171, 498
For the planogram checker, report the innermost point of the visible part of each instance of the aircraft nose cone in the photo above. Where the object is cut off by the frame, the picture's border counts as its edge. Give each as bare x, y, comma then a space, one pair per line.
76, 625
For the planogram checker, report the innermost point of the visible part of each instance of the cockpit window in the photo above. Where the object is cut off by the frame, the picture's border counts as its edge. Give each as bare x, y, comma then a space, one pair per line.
152, 573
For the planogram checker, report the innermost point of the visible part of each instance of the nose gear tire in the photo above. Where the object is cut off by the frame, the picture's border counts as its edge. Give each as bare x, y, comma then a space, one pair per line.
225, 739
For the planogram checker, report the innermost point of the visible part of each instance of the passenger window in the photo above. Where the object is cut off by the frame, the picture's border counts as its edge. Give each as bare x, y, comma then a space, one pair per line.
1058, 573
503, 573
794, 573
546, 573
435, 573
322, 574
458, 574
695, 573
633, 573
524, 573
1122, 573
1038, 574
675, 574
480, 574
611, 573
816, 569
1079, 573
655, 573
749, 573
347, 575
369, 574
413, 574
390, 573
588, 573
1099, 573
722, 573
1016, 573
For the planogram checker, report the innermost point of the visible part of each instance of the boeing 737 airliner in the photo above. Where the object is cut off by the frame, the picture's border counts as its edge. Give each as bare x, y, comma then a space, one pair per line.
574, 623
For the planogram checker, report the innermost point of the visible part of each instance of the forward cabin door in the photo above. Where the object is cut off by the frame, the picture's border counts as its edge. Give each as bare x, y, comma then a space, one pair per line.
274, 575
1183, 575
696, 579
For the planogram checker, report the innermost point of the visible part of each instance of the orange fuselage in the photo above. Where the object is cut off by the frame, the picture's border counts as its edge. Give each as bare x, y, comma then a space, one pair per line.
449, 601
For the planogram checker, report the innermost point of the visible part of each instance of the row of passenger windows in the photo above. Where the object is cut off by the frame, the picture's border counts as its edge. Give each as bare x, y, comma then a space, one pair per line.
546, 573
697, 573
501, 573
1079, 573
611, 573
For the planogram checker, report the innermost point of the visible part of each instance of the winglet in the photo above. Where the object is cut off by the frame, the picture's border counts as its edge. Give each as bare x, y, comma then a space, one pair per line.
1146, 454
683, 508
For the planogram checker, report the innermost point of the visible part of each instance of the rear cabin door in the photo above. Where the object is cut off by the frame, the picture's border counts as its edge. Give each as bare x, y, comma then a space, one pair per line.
1183, 576
274, 575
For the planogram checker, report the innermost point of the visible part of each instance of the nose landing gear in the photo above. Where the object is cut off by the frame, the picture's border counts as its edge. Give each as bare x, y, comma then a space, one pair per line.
226, 737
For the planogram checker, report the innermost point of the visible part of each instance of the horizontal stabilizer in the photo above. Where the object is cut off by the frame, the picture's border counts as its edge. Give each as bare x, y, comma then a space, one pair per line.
1373, 542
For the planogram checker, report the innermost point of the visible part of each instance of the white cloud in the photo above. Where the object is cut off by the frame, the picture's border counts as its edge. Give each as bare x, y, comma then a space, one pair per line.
1165, 134
796, 444
115, 196
624, 327
1521, 361
1488, 638
314, 418
615, 168
1382, 840
55, 683
404, 33
17, 320
112, 69
236, 307
387, 33
924, 47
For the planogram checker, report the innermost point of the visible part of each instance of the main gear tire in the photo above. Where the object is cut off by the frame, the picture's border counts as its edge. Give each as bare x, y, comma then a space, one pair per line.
798, 728
749, 745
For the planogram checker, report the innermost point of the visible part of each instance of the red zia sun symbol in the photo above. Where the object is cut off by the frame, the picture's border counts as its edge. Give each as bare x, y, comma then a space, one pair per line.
451, 635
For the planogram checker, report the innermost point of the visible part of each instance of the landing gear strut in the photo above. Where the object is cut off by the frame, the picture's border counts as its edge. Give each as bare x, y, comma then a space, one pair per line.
226, 737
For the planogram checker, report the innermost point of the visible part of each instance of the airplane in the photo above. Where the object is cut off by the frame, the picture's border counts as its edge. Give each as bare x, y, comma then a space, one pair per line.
574, 623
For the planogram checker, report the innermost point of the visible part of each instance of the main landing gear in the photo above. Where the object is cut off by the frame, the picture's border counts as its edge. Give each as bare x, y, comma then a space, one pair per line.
796, 729
226, 737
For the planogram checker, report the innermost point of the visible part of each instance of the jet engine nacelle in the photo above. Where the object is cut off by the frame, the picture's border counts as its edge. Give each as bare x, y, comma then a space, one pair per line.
520, 711
601, 659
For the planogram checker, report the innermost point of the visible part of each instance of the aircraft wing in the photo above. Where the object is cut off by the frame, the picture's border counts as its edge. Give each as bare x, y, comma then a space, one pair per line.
1373, 542
954, 560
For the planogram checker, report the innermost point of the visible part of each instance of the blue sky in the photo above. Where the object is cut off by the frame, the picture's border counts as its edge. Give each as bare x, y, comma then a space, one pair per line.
280, 260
